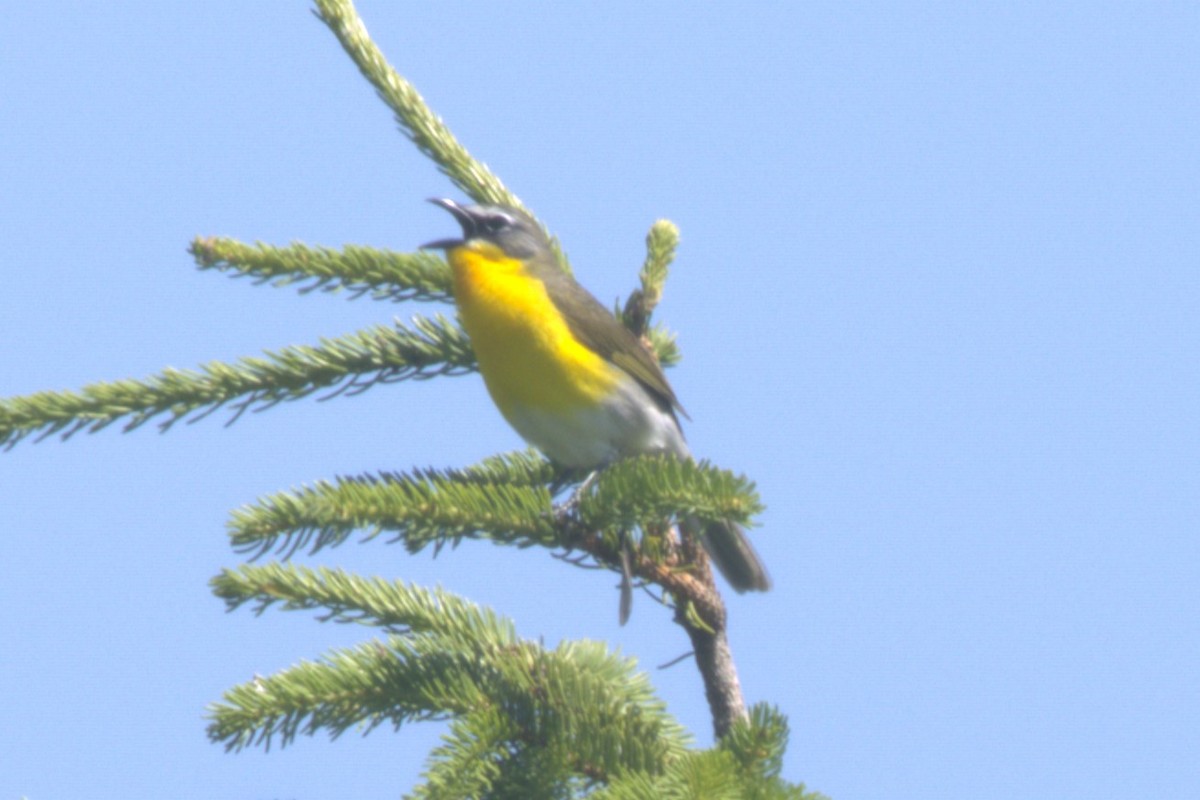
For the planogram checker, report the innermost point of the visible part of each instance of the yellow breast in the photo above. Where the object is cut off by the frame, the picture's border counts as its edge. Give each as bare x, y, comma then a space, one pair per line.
527, 354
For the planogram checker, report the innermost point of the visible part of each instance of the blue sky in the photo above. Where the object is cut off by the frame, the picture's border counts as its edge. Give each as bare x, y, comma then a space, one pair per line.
937, 294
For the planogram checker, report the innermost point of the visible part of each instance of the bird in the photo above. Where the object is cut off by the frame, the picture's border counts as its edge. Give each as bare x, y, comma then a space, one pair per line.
562, 370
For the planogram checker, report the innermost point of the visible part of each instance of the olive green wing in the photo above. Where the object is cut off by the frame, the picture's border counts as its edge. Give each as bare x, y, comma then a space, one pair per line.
598, 330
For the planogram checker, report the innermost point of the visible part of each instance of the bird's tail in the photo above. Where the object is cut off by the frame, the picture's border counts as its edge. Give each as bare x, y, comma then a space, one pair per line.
733, 554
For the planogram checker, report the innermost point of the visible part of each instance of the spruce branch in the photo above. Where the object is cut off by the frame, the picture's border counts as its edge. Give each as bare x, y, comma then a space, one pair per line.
347, 365
635, 490
664, 344
427, 507
392, 605
701, 775
424, 128
700, 492
744, 765
377, 682
661, 242
589, 709
382, 274
507, 500
759, 741
471, 758
516, 468
416, 120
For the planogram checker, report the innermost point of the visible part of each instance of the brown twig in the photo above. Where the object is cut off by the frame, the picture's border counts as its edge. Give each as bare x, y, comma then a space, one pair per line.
684, 573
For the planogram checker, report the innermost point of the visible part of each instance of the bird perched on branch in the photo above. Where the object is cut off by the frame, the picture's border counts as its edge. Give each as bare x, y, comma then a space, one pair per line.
569, 377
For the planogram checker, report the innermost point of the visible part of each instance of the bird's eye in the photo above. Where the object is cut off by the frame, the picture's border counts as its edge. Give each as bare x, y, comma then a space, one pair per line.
495, 223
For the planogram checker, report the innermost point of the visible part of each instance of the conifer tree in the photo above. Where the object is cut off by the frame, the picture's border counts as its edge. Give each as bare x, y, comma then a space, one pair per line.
524, 721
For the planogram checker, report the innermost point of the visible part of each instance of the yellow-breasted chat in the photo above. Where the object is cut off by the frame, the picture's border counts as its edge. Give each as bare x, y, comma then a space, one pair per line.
572, 380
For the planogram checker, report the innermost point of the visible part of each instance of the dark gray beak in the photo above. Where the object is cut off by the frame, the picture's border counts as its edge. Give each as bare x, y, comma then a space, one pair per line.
464, 219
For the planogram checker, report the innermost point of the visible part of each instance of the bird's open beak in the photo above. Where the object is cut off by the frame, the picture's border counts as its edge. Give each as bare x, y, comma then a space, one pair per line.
460, 214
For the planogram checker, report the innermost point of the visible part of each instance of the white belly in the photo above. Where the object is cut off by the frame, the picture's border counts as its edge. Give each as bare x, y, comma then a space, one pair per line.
627, 423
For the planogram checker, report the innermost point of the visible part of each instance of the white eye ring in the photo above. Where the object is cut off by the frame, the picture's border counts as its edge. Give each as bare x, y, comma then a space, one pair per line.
494, 223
